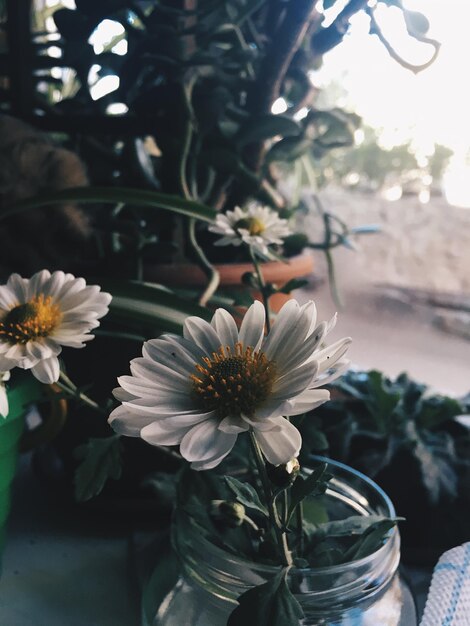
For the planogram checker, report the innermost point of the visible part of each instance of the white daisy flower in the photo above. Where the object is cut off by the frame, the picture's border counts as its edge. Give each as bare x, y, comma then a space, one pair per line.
257, 226
201, 390
41, 314
4, 408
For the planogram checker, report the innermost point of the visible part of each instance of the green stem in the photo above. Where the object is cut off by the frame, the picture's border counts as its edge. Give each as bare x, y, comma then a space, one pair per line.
299, 514
262, 287
71, 389
204, 263
281, 537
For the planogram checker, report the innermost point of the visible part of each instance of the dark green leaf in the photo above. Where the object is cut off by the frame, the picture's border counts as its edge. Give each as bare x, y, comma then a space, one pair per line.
437, 410
265, 126
115, 195
354, 525
436, 455
314, 485
243, 298
245, 494
370, 541
100, 460
327, 4
270, 604
293, 283
294, 244
382, 401
250, 280
150, 304
289, 149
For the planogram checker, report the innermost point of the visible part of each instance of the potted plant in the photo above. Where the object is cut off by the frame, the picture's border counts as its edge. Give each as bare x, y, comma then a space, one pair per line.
199, 89
257, 537
399, 431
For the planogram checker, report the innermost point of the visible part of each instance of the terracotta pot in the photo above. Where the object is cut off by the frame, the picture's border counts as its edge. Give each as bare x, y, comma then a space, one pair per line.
277, 272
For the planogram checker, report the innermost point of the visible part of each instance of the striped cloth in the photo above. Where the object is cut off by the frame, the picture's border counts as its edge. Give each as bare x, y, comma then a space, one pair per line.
448, 602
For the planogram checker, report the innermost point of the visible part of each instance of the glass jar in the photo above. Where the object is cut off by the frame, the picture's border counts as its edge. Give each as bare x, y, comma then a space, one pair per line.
365, 592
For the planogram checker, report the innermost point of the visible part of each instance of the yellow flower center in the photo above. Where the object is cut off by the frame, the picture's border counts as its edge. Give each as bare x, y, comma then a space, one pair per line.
36, 318
233, 383
252, 225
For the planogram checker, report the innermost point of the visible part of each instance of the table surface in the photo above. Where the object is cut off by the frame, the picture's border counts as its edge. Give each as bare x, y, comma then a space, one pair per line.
64, 569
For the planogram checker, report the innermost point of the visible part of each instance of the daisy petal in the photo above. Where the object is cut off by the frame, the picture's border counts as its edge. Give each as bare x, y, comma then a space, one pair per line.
282, 445
209, 463
205, 441
225, 327
252, 328
19, 287
295, 381
47, 371
286, 325
3, 401
7, 298
264, 424
156, 435
306, 401
233, 425
202, 334
127, 423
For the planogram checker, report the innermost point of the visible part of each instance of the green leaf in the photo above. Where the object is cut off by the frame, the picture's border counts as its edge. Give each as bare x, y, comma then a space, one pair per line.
101, 460
289, 149
229, 163
314, 485
370, 541
294, 244
327, 4
438, 463
382, 401
265, 126
269, 604
293, 283
354, 525
437, 410
150, 304
114, 195
242, 298
246, 494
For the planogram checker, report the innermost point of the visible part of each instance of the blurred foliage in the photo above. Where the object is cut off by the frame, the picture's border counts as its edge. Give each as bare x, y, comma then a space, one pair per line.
412, 441
196, 83
372, 167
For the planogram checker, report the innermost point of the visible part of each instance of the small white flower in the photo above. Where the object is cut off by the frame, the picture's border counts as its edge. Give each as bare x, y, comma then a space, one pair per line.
4, 376
257, 226
41, 314
201, 390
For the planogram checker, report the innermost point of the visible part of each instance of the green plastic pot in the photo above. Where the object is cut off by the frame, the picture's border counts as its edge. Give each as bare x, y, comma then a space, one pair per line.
23, 391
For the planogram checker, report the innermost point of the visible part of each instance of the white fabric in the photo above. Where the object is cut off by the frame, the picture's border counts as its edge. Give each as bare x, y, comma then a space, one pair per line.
448, 602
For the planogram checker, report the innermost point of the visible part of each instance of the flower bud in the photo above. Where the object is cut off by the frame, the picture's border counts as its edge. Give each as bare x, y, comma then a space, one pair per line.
227, 513
284, 475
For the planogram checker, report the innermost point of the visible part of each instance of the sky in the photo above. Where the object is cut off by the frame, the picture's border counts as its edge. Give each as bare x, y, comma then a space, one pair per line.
430, 107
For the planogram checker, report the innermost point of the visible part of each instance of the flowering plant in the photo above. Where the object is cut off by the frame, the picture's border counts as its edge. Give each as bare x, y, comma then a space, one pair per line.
230, 398
217, 392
